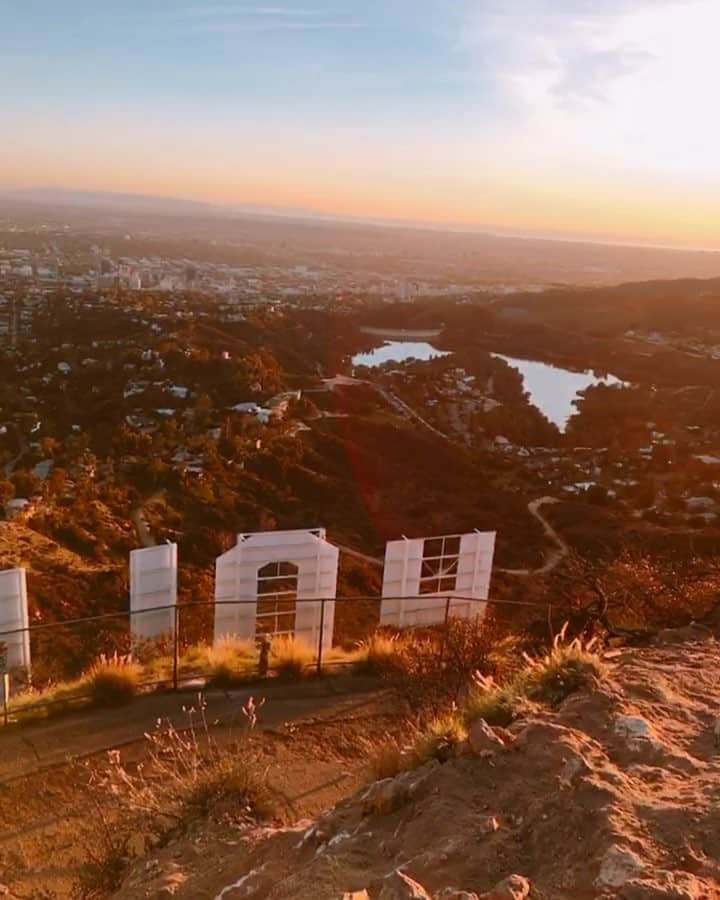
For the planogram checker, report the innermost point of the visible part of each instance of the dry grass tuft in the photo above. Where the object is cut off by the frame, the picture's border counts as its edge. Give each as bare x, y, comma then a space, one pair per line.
229, 662
440, 738
391, 756
568, 667
497, 704
186, 777
113, 680
290, 658
377, 654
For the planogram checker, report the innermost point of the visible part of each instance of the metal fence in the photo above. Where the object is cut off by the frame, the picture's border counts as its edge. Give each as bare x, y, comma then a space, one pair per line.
63, 651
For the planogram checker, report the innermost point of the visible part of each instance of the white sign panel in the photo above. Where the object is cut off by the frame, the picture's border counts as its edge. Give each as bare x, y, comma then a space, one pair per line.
279, 576
153, 585
13, 616
421, 574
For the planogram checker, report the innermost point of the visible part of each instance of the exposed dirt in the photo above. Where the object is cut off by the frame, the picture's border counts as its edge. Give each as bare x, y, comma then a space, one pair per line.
613, 795
310, 737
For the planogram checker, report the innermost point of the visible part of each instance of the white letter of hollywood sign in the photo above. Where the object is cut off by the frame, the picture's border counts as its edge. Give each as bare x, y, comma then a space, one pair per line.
153, 592
14, 616
269, 572
421, 574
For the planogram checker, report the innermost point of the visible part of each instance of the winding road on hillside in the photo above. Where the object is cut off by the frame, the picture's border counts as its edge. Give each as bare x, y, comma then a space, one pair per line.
556, 555
552, 559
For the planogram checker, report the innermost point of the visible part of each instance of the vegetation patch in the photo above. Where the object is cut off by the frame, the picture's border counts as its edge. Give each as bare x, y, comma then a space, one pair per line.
228, 663
186, 777
568, 667
377, 654
290, 658
496, 704
113, 680
439, 739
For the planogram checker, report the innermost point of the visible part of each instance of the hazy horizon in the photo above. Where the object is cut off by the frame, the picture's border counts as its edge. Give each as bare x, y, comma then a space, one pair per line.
562, 119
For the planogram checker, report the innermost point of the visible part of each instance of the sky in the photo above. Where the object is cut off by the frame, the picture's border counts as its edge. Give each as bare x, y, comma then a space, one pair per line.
582, 118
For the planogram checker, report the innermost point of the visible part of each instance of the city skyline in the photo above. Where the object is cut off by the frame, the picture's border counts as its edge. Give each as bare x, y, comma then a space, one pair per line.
530, 116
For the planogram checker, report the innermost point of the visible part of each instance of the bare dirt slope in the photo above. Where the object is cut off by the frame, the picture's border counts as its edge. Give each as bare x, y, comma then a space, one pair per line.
614, 795
48, 814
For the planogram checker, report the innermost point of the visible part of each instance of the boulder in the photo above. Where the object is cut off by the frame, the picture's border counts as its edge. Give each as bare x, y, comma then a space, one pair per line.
668, 886
399, 886
482, 739
634, 727
618, 867
391, 793
385, 796
515, 887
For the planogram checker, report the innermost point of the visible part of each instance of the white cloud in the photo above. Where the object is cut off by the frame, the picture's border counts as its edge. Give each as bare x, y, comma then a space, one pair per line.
567, 50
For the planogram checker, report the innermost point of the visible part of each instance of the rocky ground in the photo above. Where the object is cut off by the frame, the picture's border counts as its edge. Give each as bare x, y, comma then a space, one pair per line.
614, 795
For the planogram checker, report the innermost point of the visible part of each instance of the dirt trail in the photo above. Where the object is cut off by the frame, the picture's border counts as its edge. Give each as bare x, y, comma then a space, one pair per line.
552, 559
48, 813
30, 748
556, 555
612, 796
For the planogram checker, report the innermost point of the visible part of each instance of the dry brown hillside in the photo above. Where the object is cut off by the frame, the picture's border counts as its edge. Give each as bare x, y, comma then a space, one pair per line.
614, 795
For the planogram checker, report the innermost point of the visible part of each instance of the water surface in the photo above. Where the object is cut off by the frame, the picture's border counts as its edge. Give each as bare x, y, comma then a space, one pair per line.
553, 389
397, 351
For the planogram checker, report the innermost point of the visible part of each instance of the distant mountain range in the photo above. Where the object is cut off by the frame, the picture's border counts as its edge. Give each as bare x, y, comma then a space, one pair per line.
54, 196
150, 204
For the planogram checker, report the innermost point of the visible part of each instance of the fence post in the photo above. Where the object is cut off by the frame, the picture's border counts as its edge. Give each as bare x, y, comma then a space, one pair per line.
176, 649
6, 693
444, 636
320, 639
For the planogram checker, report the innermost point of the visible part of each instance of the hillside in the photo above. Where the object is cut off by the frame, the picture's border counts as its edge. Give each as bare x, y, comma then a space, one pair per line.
614, 794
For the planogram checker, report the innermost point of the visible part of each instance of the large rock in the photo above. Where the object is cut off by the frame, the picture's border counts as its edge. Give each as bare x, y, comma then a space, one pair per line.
482, 739
399, 886
390, 794
668, 886
618, 867
515, 887
635, 728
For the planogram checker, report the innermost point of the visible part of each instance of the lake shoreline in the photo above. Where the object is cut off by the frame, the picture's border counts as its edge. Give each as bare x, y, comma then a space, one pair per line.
403, 334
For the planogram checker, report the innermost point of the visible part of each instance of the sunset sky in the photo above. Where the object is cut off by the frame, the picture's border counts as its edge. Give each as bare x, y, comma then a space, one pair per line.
572, 117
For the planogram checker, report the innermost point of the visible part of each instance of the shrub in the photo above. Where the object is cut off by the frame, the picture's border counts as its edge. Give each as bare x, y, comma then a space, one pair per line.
290, 658
439, 739
101, 874
568, 667
147, 650
185, 777
390, 757
187, 772
113, 680
434, 669
472, 645
497, 704
377, 654
229, 662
